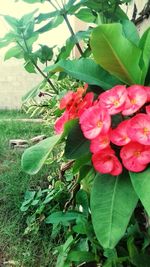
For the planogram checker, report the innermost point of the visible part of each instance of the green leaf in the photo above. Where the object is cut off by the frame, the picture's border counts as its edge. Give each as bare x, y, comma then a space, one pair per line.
7, 39
69, 125
55, 22
82, 199
145, 58
85, 70
29, 67
63, 253
30, 41
15, 51
62, 217
44, 16
13, 22
87, 175
130, 32
113, 201
76, 144
115, 53
27, 18
81, 256
86, 15
44, 54
70, 43
80, 162
141, 184
34, 157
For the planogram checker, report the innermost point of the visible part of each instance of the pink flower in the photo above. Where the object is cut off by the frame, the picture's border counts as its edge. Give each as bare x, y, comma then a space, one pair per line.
66, 100
119, 136
135, 156
95, 120
137, 97
148, 109
105, 161
147, 90
100, 142
85, 103
139, 129
113, 100
59, 124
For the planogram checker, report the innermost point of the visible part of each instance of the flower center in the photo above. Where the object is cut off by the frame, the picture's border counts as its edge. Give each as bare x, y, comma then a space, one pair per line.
137, 153
116, 102
146, 131
105, 141
133, 101
99, 124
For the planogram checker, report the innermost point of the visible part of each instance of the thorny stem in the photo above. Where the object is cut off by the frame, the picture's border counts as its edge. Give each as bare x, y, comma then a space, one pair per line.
55, 7
36, 66
58, 4
69, 26
72, 32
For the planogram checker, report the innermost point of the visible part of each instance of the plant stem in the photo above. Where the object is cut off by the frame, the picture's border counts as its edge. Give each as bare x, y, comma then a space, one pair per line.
69, 26
72, 33
37, 67
55, 7
58, 4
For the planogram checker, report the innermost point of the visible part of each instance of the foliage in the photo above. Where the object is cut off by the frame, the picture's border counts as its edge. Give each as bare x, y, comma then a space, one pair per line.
15, 247
98, 211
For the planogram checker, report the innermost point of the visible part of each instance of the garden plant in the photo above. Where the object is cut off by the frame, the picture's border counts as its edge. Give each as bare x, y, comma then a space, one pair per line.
99, 201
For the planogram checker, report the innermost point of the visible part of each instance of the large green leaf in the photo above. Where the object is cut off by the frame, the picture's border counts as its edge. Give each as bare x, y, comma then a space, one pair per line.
113, 200
115, 53
145, 58
141, 184
130, 31
76, 144
85, 70
34, 157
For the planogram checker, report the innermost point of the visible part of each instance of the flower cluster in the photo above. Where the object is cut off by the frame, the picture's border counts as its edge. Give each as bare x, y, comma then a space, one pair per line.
130, 139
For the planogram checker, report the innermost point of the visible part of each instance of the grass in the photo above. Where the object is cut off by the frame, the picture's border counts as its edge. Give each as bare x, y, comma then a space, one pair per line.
33, 251
7, 114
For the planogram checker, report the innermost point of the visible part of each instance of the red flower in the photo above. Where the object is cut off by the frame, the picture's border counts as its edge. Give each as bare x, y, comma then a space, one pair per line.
95, 120
85, 103
66, 100
113, 100
119, 136
105, 161
139, 129
137, 97
100, 142
59, 124
135, 156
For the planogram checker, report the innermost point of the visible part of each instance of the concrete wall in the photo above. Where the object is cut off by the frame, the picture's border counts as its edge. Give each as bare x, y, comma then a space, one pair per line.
14, 80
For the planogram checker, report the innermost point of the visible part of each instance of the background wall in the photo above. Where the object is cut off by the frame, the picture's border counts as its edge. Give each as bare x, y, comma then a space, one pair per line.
14, 80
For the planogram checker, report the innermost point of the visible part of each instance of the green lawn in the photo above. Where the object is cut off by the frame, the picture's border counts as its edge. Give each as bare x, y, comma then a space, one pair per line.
28, 251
